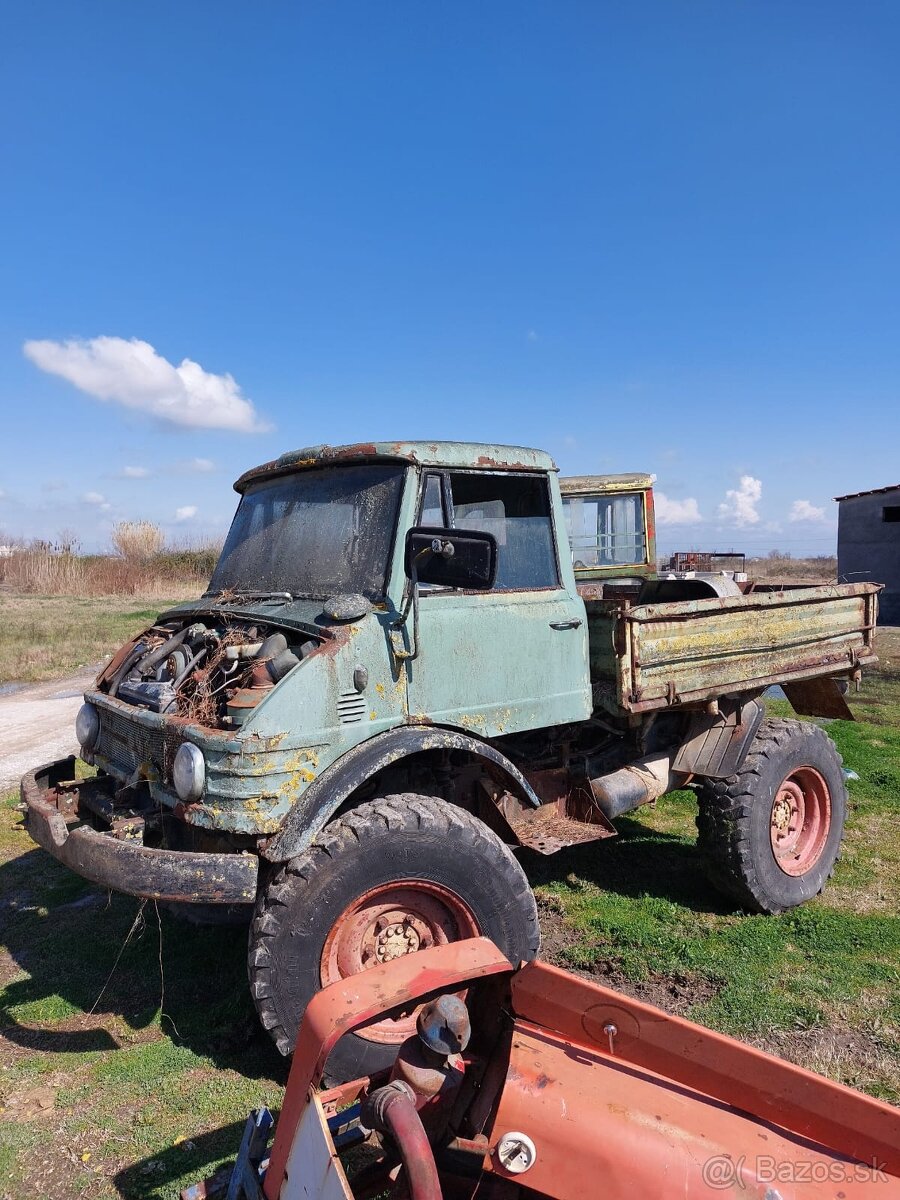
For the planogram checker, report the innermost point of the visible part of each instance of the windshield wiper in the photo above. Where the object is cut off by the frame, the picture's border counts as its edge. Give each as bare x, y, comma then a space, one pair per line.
226, 596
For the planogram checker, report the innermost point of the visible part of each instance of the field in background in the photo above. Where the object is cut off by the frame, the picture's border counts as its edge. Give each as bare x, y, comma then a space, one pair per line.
784, 566
61, 610
44, 571
48, 637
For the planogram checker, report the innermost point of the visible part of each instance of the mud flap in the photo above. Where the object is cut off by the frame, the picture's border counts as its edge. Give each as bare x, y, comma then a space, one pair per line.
716, 744
818, 698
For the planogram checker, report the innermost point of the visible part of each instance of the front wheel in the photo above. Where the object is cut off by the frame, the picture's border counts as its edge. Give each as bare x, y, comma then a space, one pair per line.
389, 878
770, 835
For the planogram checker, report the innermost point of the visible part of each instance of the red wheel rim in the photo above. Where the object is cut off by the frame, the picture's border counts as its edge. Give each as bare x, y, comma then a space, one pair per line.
385, 923
800, 821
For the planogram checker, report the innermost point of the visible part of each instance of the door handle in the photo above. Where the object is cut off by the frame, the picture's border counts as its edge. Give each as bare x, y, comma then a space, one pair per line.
572, 623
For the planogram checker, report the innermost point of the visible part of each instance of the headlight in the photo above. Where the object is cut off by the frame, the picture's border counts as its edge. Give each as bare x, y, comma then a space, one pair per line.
87, 727
189, 772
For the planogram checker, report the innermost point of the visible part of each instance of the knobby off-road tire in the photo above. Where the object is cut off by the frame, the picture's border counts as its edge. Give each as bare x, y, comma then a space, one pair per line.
770, 835
388, 878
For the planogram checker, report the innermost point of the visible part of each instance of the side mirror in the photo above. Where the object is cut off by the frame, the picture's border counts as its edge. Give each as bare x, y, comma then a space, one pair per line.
452, 557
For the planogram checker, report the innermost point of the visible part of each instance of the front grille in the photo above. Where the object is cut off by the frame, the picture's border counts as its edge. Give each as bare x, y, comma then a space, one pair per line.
128, 744
351, 707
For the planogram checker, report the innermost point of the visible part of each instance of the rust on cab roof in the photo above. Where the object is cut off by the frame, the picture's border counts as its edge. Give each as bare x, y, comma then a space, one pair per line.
459, 455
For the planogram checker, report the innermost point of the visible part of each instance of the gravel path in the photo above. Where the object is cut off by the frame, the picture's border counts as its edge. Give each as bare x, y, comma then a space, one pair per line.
37, 723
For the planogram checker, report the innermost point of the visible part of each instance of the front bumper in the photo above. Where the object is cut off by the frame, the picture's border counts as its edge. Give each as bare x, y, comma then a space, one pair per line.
52, 818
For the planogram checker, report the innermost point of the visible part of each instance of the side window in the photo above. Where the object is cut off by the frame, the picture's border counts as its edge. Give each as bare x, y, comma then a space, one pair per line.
516, 510
432, 503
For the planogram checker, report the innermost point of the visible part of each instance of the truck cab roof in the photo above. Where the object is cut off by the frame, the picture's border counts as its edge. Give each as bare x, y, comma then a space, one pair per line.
454, 455
594, 485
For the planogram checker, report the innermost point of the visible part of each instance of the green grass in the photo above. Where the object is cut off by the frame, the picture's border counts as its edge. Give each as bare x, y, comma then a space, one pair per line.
156, 1101
47, 637
154, 1090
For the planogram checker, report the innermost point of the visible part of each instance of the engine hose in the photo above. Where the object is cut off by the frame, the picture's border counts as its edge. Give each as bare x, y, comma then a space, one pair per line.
201, 653
156, 656
392, 1109
149, 661
135, 656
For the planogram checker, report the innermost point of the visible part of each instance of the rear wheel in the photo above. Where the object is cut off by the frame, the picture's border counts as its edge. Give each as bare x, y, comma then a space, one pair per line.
389, 878
770, 835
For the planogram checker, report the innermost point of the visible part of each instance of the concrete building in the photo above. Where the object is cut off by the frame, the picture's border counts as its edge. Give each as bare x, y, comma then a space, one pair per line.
869, 545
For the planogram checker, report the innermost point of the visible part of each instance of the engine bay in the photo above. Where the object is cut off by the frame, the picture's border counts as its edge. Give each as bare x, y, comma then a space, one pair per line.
212, 670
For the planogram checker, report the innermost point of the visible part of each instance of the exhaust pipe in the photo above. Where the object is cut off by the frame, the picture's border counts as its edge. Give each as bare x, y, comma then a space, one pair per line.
638, 783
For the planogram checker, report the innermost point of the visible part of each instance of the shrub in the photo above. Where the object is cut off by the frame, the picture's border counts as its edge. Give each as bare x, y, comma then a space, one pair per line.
137, 540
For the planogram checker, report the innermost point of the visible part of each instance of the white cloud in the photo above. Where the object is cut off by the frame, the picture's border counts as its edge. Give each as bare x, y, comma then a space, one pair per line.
98, 500
186, 512
676, 512
201, 465
802, 510
739, 505
134, 473
131, 373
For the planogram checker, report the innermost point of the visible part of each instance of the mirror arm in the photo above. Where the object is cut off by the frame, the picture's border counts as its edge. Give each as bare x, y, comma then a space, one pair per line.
412, 601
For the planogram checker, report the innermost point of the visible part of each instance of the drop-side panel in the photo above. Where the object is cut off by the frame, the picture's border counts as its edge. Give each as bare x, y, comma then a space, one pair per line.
697, 649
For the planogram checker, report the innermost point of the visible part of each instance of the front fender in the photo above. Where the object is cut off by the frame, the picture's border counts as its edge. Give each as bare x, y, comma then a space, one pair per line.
324, 796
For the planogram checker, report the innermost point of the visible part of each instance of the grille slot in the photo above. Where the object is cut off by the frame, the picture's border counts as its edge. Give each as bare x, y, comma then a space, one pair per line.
128, 744
351, 708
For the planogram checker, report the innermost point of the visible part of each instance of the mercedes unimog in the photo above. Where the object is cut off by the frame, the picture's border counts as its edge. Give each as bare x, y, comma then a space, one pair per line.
394, 680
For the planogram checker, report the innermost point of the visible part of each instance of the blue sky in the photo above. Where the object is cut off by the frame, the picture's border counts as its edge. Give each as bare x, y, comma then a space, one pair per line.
653, 236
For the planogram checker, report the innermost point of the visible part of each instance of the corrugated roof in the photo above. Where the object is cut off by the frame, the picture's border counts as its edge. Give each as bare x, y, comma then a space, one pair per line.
892, 487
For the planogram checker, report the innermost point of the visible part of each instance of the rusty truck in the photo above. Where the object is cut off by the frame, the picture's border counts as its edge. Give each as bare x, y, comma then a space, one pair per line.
395, 679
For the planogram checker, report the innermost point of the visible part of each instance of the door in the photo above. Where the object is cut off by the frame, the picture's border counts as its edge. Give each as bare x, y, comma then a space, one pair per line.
515, 657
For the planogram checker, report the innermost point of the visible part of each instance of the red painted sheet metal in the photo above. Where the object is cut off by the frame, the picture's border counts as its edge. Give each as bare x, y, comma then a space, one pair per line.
690, 1056
601, 1127
350, 1003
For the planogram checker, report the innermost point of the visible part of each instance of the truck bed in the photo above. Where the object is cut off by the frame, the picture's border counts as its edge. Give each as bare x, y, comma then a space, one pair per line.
651, 656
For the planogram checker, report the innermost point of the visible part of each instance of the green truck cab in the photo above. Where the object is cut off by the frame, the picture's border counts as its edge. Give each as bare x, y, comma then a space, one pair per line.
397, 678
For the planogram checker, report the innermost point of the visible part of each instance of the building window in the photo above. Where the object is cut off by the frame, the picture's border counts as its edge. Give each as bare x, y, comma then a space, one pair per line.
891, 512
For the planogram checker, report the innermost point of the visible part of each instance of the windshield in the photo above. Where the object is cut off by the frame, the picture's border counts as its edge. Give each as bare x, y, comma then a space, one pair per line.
315, 533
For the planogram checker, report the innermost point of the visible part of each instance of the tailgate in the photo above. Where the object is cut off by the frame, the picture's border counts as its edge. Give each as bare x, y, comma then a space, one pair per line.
698, 649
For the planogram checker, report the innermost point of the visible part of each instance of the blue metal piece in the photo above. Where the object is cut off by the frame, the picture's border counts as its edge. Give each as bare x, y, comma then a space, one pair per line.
246, 1178
344, 1127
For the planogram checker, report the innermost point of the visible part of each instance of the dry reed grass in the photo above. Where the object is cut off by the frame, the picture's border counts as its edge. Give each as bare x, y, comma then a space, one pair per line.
138, 541
777, 565
140, 566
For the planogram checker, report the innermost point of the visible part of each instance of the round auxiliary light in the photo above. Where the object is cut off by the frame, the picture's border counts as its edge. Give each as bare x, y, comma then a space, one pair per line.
87, 726
189, 772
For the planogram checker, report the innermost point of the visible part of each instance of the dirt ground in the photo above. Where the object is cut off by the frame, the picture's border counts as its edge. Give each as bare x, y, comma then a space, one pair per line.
37, 723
